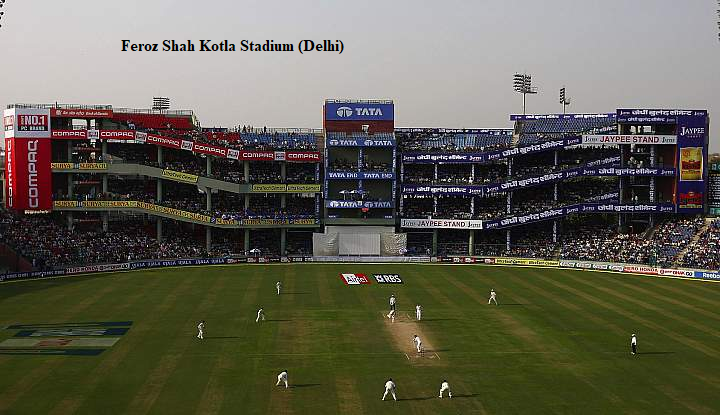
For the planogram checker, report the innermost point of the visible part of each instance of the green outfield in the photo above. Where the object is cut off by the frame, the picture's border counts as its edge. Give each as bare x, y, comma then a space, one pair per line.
557, 343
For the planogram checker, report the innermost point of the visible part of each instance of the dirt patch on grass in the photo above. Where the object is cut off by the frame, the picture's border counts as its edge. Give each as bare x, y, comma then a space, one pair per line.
402, 332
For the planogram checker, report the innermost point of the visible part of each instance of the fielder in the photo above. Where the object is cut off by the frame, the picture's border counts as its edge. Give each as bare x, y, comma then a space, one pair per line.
282, 378
201, 329
278, 285
445, 386
633, 344
391, 315
492, 297
389, 388
418, 343
418, 312
392, 302
260, 315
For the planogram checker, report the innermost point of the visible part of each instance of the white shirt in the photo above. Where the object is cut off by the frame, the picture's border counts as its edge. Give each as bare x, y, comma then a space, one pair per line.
282, 375
492, 294
389, 385
201, 326
392, 300
278, 284
260, 311
633, 340
418, 308
417, 340
445, 385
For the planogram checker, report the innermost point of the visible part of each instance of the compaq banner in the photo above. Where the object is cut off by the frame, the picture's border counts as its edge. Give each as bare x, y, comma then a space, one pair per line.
27, 154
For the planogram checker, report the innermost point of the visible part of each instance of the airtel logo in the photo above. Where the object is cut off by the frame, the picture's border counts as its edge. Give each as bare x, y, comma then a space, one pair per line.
344, 112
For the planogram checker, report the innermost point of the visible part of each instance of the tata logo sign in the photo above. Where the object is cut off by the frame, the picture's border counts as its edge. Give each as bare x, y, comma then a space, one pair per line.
344, 112
359, 111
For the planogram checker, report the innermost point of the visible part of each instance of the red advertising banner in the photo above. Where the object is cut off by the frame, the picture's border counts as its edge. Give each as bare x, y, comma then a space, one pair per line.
69, 135
28, 174
302, 156
164, 141
123, 135
209, 149
80, 113
257, 155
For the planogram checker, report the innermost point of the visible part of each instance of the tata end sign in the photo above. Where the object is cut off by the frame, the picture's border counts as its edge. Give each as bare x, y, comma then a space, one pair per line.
359, 111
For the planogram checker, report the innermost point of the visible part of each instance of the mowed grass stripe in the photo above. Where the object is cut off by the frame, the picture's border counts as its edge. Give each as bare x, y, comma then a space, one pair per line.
219, 383
607, 287
539, 335
609, 369
87, 388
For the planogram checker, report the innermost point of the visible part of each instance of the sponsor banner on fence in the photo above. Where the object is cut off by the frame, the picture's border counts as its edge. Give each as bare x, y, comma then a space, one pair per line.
180, 176
186, 145
441, 223
92, 166
640, 269
360, 142
163, 141
652, 116
302, 156
69, 135
355, 279
629, 139
269, 188
117, 136
357, 204
388, 278
208, 149
443, 190
109, 204
140, 137
526, 261
351, 175
705, 275
304, 188
62, 166
65, 204
80, 113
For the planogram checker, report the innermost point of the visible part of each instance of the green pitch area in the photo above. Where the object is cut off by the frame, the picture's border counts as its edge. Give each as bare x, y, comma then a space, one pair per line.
557, 343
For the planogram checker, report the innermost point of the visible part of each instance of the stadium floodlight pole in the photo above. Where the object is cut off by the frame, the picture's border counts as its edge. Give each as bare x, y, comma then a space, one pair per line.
564, 99
522, 84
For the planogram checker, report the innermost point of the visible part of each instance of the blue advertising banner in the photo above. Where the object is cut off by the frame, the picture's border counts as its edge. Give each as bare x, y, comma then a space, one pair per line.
657, 116
530, 117
357, 204
458, 158
360, 175
359, 111
443, 190
692, 133
360, 142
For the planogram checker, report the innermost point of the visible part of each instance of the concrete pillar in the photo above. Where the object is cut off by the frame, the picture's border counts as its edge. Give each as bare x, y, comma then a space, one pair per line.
70, 221
247, 200
283, 242
104, 146
208, 199
71, 185
246, 241
208, 238
105, 183
160, 156
246, 171
159, 190
158, 229
69, 152
105, 225
435, 241
471, 243
208, 166
283, 179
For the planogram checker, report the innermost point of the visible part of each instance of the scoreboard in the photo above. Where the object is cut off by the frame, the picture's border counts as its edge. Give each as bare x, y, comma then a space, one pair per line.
714, 189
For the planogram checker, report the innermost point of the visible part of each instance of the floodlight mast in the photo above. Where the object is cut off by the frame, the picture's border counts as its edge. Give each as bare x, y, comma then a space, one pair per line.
522, 84
564, 99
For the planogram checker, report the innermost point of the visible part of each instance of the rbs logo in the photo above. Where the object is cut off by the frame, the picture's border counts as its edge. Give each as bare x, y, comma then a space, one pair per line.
388, 279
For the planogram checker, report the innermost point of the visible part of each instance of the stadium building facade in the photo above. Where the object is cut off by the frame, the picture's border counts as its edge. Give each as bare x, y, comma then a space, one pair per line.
358, 186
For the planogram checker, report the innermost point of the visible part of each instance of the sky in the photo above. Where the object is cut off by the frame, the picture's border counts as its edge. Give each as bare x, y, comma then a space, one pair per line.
444, 63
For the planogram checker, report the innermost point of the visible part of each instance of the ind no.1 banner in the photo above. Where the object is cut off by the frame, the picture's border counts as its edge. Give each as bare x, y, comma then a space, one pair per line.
28, 175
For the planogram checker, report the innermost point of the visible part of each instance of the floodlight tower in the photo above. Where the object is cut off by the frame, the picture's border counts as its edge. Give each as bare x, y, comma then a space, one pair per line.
522, 84
564, 99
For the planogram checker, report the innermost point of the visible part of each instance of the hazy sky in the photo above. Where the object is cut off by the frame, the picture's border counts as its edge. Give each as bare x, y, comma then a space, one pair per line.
445, 63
